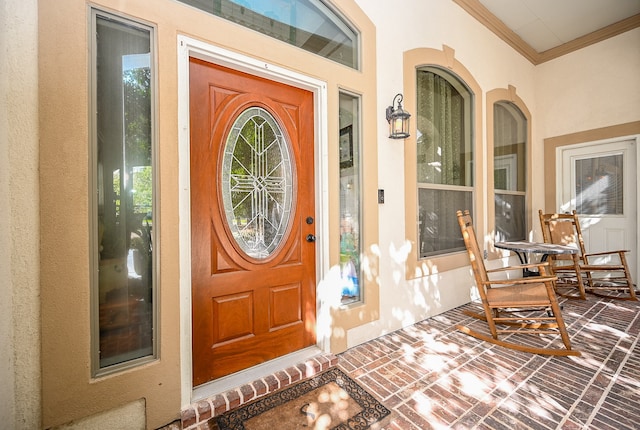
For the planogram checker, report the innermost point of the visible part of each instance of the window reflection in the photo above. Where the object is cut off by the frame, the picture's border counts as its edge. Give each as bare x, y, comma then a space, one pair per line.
509, 171
599, 188
444, 159
307, 24
123, 135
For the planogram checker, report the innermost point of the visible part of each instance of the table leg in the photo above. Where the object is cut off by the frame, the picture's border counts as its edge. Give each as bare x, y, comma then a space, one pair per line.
524, 260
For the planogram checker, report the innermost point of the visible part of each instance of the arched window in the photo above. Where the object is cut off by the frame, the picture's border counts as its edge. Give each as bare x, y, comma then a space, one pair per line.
509, 171
444, 159
308, 24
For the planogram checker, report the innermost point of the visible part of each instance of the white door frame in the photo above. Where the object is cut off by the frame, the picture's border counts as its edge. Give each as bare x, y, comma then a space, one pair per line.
560, 182
189, 47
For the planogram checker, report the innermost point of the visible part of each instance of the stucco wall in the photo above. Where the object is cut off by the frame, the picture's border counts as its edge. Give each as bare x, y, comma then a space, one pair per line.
19, 214
595, 87
493, 64
559, 94
69, 390
586, 96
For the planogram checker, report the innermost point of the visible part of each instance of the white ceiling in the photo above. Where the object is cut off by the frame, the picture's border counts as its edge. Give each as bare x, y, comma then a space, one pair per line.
545, 24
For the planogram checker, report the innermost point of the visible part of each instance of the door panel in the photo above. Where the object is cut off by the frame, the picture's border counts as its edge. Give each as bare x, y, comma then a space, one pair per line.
252, 188
599, 181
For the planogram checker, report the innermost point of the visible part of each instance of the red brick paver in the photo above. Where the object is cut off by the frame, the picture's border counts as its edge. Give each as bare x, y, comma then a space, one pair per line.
434, 377
440, 378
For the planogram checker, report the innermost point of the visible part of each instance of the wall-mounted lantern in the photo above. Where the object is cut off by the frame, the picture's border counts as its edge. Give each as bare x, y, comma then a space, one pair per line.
398, 119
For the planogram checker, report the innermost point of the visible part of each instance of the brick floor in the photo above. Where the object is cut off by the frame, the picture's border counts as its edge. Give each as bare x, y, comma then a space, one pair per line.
435, 377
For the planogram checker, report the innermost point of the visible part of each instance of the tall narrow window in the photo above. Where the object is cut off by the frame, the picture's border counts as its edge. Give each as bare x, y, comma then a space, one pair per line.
509, 172
444, 159
123, 202
350, 202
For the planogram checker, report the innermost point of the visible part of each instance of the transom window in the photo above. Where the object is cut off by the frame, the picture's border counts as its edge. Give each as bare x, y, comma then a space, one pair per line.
444, 159
308, 24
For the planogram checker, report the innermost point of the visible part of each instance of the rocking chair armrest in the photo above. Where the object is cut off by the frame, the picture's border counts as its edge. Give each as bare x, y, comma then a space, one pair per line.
594, 254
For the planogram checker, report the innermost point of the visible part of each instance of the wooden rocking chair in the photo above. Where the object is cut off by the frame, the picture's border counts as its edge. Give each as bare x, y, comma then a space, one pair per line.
581, 271
504, 299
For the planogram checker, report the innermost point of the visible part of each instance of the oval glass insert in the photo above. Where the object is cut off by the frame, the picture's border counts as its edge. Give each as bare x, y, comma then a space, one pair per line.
257, 182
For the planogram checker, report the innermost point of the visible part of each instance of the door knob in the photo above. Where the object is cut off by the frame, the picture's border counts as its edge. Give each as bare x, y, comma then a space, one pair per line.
311, 238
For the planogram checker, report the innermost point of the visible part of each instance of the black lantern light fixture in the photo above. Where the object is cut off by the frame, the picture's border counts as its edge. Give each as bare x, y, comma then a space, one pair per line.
398, 119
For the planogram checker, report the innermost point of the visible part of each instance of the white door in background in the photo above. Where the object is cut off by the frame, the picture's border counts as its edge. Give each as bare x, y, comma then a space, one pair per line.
599, 180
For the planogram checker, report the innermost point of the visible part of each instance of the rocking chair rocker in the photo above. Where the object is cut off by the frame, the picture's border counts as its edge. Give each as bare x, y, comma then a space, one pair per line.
504, 299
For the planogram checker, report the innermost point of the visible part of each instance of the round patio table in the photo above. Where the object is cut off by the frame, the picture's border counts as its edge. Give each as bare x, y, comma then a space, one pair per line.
525, 248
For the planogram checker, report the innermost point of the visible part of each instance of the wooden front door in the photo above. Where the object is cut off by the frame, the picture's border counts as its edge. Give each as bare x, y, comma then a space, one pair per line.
252, 220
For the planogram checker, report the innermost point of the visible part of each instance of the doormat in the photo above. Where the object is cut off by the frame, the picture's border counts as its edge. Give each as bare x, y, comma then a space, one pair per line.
330, 400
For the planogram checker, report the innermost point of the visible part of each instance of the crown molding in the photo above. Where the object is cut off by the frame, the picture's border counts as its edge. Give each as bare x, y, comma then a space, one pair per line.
591, 38
489, 20
499, 28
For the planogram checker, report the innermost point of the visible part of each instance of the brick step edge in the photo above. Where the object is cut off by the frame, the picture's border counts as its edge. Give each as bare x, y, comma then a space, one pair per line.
197, 415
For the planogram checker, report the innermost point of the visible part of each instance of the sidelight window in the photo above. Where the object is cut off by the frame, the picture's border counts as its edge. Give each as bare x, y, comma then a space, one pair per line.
350, 199
123, 193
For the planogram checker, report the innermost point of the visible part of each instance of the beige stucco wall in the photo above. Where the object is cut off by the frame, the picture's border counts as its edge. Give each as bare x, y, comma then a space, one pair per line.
7, 405
69, 391
595, 87
601, 88
443, 282
588, 95
560, 95
19, 213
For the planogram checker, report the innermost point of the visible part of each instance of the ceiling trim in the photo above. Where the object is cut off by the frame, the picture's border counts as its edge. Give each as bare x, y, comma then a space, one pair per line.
591, 38
489, 20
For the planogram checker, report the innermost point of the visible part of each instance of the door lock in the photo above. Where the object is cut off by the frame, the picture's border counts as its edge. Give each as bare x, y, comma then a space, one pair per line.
311, 238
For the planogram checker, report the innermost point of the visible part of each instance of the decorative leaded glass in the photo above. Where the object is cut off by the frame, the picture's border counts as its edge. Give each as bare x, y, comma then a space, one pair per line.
257, 182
